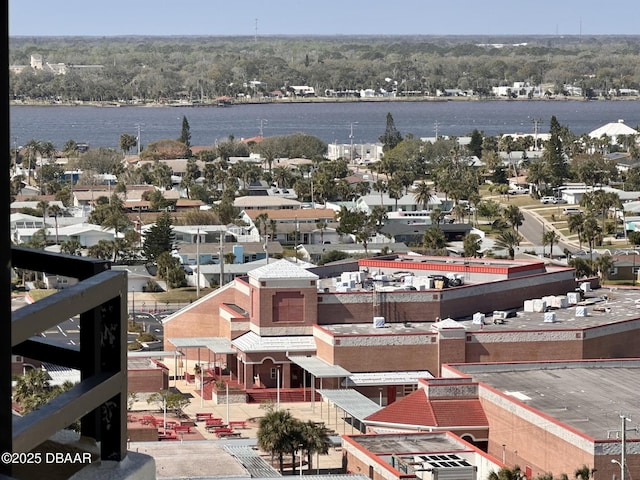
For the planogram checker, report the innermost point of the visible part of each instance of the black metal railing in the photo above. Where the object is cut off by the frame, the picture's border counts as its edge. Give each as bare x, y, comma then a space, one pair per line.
100, 399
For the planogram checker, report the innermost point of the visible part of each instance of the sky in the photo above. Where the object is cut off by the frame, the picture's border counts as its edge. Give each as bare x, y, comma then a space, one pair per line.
325, 17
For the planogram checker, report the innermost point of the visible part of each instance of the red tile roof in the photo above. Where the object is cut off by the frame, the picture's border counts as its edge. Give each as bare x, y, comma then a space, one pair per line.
417, 409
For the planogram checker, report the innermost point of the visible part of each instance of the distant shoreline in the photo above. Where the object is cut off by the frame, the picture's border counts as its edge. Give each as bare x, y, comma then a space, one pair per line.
285, 101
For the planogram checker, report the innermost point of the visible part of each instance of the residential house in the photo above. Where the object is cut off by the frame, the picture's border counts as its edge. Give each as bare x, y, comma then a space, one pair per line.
293, 227
266, 202
361, 153
614, 131
406, 203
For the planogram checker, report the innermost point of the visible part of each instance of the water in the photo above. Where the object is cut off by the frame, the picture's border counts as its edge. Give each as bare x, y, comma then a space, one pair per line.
332, 122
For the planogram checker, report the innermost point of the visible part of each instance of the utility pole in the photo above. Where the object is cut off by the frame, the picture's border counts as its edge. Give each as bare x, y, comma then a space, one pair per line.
138, 139
197, 263
221, 255
262, 122
623, 452
351, 140
536, 122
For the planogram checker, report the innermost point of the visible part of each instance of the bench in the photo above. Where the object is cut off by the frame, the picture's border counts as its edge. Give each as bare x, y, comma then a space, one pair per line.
213, 421
203, 416
182, 428
167, 436
149, 419
222, 430
229, 435
213, 428
238, 424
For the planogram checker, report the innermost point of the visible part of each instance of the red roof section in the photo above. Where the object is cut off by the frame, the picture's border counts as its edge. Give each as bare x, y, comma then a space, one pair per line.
417, 409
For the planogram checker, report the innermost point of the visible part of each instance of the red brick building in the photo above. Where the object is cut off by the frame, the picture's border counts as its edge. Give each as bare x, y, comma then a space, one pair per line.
280, 310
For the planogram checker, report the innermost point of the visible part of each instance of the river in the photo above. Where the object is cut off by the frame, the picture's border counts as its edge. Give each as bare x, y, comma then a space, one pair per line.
332, 122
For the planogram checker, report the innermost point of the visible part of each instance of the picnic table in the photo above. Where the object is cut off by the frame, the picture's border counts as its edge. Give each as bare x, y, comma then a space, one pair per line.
213, 428
213, 421
182, 428
230, 435
203, 416
168, 435
238, 424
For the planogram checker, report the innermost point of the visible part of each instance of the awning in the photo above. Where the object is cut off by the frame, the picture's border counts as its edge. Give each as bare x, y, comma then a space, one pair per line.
318, 367
385, 378
215, 344
351, 402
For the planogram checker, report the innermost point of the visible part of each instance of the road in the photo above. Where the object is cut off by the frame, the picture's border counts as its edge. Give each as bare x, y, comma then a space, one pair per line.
67, 332
532, 229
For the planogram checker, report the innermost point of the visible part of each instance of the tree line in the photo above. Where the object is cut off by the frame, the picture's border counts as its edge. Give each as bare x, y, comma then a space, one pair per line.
204, 68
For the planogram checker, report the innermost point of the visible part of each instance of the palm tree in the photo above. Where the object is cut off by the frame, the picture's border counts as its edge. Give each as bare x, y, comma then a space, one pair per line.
43, 206
322, 226
508, 240
584, 473
315, 439
549, 237
33, 148
274, 431
55, 210
513, 216
506, 473
380, 186
434, 239
71, 246
604, 265
32, 389
576, 225
261, 221
472, 243
591, 231
422, 194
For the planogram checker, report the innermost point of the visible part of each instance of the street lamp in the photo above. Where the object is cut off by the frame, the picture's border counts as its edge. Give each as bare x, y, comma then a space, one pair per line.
622, 469
301, 454
351, 140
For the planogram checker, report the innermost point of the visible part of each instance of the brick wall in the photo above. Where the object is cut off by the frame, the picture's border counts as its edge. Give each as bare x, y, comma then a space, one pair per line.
530, 443
148, 380
387, 358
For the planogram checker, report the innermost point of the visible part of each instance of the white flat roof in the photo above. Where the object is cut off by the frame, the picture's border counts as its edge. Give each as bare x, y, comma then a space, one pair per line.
215, 344
252, 342
318, 367
386, 378
352, 402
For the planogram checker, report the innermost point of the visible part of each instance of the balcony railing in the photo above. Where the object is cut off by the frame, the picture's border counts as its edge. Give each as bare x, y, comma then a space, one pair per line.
100, 399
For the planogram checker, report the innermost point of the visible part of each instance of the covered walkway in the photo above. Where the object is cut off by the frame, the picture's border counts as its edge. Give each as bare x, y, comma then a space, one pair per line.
355, 407
318, 368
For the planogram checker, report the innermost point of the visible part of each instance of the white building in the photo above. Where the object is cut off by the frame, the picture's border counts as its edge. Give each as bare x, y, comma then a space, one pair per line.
358, 152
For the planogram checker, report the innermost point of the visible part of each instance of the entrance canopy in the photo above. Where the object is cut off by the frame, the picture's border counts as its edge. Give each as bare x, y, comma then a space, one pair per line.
351, 402
318, 367
215, 344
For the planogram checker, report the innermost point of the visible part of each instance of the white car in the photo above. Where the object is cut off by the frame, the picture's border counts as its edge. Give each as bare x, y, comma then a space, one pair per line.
518, 190
554, 200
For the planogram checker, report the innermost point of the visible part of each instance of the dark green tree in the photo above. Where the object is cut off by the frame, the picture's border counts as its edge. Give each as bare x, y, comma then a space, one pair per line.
127, 142
159, 238
359, 224
185, 135
471, 245
508, 240
392, 136
475, 145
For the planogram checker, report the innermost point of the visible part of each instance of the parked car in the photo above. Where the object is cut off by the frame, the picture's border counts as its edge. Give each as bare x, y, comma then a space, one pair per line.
554, 200
571, 211
518, 190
